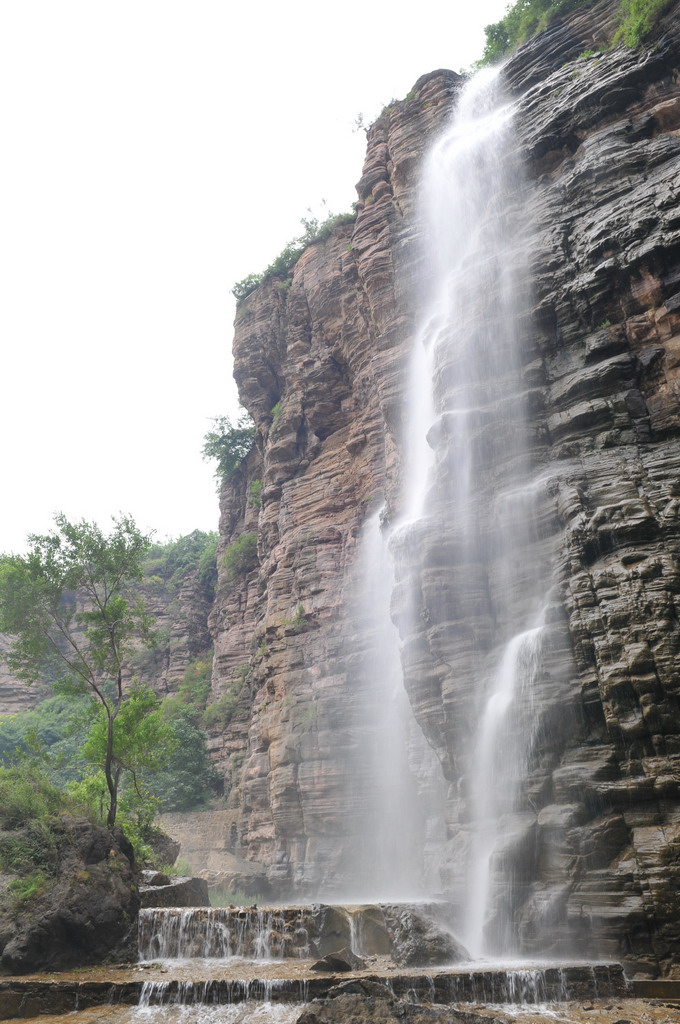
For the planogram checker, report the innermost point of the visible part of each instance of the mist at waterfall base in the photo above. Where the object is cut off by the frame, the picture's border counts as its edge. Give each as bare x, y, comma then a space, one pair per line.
470, 552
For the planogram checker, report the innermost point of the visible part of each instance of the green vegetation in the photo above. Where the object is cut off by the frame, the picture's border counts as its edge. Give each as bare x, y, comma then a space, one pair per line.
185, 778
521, 21
220, 896
61, 731
228, 444
24, 889
26, 795
219, 714
58, 725
255, 493
241, 556
314, 231
115, 753
142, 740
180, 869
176, 560
524, 18
298, 624
84, 643
30, 837
637, 18
188, 778
276, 412
194, 689
388, 106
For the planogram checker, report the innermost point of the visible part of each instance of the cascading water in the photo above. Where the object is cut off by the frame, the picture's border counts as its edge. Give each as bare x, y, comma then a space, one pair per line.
499, 760
471, 562
399, 784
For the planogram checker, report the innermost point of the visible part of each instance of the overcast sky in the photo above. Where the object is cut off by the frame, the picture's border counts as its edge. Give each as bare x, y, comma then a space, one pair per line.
153, 153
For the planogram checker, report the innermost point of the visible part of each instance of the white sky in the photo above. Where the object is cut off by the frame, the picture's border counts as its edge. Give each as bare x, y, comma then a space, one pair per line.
154, 152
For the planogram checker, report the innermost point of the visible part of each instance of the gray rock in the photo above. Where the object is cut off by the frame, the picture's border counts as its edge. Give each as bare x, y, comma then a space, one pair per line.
153, 878
420, 941
181, 892
342, 960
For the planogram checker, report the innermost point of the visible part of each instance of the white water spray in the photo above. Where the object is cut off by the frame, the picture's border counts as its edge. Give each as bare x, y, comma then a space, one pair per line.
401, 779
469, 503
502, 748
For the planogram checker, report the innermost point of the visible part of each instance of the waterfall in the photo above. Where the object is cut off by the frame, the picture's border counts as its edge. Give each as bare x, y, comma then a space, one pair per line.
398, 784
219, 932
471, 549
499, 764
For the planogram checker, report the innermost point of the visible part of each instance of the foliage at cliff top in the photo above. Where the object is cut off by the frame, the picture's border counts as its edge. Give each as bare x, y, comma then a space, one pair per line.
228, 444
525, 18
314, 231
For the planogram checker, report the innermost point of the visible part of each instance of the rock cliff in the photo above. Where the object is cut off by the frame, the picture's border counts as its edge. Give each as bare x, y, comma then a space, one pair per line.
320, 363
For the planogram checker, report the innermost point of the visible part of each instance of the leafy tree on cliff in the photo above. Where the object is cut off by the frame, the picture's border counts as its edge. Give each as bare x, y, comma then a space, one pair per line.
228, 444
74, 615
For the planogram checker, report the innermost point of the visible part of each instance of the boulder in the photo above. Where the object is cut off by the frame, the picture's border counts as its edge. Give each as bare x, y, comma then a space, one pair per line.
165, 848
154, 878
343, 960
181, 892
418, 940
87, 914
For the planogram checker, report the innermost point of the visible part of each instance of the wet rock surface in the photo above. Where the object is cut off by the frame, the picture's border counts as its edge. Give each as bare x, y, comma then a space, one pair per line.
403, 935
161, 891
357, 1008
593, 849
419, 941
235, 982
361, 1010
87, 914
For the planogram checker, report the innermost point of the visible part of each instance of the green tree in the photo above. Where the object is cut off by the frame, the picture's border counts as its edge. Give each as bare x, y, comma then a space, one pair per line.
228, 444
142, 740
72, 610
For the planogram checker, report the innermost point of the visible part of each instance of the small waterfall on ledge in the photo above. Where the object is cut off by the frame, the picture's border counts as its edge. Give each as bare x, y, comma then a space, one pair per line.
219, 932
472, 549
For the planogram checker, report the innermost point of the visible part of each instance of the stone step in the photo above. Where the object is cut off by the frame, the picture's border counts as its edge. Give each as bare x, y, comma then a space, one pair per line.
29, 997
414, 934
660, 989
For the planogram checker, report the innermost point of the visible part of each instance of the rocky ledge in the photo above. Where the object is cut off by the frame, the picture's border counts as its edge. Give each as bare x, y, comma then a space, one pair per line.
360, 991
159, 890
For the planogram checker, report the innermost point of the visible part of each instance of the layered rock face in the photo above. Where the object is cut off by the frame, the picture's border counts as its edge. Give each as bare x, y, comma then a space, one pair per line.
321, 365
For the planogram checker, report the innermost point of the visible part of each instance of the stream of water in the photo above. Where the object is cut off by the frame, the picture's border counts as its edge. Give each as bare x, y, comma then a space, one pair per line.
469, 486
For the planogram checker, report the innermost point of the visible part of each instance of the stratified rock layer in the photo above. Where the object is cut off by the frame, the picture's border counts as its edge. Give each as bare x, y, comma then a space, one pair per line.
320, 362
320, 365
